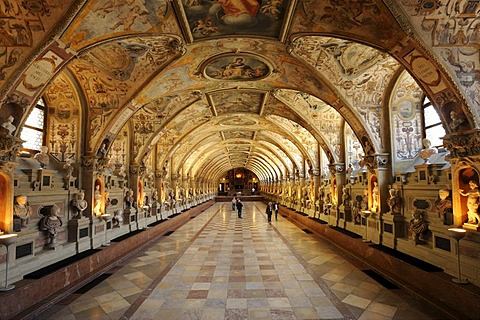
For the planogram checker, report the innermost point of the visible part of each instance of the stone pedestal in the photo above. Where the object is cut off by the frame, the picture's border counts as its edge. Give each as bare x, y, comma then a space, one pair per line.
373, 225
141, 219
393, 228
98, 232
344, 215
471, 226
79, 232
333, 217
129, 218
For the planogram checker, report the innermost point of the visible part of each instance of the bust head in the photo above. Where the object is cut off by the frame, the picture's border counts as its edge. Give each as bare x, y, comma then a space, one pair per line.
443, 194
426, 143
392, 192
473, 184
54, 211
21, 199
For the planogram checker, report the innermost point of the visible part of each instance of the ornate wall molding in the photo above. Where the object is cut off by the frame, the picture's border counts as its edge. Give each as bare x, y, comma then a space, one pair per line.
465, 144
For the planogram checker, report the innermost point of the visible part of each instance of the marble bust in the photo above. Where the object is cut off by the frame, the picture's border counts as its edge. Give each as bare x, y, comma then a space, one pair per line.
42, 157
428, 150
22, 210
8, 125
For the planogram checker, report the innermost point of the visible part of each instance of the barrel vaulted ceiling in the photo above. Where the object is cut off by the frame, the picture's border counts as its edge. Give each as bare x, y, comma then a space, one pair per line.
206, 86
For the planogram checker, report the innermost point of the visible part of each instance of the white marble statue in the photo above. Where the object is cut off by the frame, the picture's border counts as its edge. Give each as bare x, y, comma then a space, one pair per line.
8, 125
428, 150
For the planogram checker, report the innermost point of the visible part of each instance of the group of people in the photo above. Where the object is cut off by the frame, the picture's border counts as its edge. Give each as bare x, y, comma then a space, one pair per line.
271, 208
238, 205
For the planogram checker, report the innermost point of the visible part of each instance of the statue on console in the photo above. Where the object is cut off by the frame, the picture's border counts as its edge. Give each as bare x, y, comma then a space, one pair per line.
22, 210
8, 125
457, 123
394, 202
97, 201
444, 207
357, 209
79, 204
472, 202
345, 196
417, 226
52, 223
375, 197
129, 199
69, 168
428, 150
42, 157
117, 218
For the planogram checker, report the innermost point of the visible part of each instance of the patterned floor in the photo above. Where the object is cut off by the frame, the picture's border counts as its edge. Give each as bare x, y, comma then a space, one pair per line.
218, 266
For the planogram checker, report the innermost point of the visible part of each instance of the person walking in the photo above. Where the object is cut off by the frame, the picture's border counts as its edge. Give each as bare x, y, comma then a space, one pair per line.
234, 201
269, 210
276, 207
239, 205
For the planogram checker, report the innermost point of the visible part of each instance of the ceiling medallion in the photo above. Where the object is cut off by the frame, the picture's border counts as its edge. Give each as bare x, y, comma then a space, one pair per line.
236, 66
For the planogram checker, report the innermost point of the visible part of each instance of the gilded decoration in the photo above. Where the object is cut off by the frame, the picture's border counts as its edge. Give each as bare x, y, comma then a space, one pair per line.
64, 118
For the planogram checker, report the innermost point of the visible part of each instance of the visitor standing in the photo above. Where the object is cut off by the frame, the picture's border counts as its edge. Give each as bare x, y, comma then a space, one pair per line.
233, 203
276, 207
239, 205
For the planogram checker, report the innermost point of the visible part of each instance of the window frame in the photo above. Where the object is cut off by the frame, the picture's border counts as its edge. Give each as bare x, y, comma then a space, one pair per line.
41, 106
428, 104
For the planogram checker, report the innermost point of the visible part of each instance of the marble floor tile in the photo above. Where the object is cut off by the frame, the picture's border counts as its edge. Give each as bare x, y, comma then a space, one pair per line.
239, 269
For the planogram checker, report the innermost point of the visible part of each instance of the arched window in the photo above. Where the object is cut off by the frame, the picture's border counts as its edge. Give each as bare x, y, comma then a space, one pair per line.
432, 124
33, 129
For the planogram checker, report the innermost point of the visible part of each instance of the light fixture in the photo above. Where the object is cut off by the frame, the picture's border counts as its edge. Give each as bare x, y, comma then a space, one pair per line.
366, 213
458, 234
7, 240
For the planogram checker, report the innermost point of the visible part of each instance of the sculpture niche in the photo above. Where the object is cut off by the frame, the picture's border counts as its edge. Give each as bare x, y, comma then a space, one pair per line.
472, 202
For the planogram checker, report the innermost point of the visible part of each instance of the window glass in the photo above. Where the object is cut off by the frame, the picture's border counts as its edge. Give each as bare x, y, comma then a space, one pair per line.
434, 130
33, 138
35, 119
32, 131
434, 134
431, 116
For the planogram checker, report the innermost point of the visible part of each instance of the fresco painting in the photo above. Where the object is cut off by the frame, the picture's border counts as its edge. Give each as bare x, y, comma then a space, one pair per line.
228, 17
238, 67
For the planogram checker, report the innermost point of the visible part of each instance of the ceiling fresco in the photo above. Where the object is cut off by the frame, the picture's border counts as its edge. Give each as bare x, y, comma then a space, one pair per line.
201, 86
247, 17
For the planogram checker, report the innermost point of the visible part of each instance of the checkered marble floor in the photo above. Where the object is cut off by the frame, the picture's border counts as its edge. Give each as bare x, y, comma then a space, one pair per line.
218, 266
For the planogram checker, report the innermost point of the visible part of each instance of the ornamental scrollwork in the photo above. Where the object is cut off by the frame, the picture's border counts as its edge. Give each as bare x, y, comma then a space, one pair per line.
463, 145
382, 161
134, 169
89, 163
9, 148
